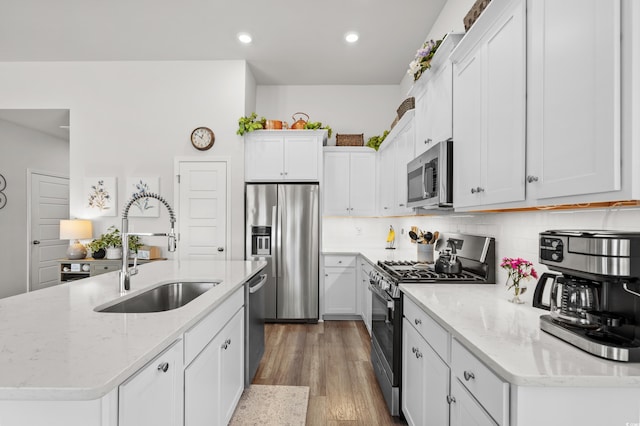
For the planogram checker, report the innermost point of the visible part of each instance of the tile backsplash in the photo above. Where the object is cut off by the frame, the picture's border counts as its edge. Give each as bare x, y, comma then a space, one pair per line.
516, 233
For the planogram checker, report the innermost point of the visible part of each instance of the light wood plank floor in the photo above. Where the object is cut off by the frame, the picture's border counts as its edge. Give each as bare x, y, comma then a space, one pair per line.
332, 358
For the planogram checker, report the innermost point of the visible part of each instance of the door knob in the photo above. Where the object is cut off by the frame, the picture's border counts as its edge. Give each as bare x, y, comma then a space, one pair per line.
220, 248
163, 367
36, 242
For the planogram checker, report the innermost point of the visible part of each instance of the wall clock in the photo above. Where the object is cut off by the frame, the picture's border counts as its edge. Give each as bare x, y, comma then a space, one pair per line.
202, 138
3, 198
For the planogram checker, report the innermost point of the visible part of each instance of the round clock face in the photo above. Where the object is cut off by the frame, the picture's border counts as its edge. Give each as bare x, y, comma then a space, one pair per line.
202, 138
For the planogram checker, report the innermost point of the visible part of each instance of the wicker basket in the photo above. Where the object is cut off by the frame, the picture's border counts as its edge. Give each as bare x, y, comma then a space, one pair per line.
350, 140
475, 12
406, 105
395, 121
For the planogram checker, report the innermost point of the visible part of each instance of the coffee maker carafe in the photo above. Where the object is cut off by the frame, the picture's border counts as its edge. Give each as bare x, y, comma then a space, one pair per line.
593, 298
572, 300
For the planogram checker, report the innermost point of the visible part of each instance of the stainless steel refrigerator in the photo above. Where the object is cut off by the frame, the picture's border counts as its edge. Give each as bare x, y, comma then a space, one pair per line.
282, 227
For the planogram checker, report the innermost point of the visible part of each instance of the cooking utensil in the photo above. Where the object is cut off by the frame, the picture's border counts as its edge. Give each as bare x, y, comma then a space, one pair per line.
435, 237
427, 237
413, 236
273, 124
299, 123
448, 261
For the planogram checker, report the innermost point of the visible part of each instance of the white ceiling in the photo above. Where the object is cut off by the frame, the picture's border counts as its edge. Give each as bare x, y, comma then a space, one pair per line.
297, 42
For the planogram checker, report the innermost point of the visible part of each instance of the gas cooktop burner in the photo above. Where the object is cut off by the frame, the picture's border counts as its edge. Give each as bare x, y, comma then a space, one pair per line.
415, 272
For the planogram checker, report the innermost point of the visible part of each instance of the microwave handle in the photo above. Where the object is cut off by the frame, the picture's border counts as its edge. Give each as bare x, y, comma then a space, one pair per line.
424, 188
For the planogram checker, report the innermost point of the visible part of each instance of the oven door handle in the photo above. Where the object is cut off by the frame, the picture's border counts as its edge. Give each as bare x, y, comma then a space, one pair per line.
389, 302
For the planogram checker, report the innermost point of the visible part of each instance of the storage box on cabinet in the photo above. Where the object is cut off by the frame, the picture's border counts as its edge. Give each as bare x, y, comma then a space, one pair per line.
490, 391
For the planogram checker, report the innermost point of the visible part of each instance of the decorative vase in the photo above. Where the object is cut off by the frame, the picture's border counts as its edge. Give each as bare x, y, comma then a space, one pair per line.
98, 254
114, 252
518, 290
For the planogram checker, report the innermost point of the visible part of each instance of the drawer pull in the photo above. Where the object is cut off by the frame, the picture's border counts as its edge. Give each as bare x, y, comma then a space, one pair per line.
226, 344
413, 349
418, 354
418, 321
163, 367
450, 399
468, 375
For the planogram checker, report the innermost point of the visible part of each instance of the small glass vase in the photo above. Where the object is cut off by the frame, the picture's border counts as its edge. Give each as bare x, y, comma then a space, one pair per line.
518, 290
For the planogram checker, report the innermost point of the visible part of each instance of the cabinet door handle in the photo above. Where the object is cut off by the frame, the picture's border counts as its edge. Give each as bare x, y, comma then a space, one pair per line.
401, 205
450, 399
428, 141
418, 321
418, 354
226, 344
477, 190
36, 242
532, 179
163, 367
468, 375
473, 190
480, 189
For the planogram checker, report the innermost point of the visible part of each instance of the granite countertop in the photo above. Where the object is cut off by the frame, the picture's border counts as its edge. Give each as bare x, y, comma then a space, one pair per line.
54, 345
504, 336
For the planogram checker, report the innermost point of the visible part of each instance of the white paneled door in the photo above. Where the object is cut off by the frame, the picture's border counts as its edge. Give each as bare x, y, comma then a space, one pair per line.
202, 210
49, 202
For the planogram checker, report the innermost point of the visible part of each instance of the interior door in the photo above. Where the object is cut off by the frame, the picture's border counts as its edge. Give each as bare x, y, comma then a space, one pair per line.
202, 218
49, 201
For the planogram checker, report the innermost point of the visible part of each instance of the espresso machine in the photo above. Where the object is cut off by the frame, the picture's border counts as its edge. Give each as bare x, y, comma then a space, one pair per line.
593, 297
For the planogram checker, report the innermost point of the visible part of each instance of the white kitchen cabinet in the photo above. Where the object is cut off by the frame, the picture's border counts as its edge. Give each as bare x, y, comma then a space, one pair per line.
489, 108
425, 380
287, 155
442, 382
340, 292
574, 97
214, 376
364, 294
349, 181
434, 98
394, 154
153, 396
465, 411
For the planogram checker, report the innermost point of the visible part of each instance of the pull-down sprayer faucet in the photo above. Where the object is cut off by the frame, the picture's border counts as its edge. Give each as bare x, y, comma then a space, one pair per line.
125, 272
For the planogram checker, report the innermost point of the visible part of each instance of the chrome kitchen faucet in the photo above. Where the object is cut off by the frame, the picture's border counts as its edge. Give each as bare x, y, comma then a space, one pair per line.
125, 272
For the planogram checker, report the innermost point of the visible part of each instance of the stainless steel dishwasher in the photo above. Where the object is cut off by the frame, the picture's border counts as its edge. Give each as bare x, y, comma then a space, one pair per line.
254, 310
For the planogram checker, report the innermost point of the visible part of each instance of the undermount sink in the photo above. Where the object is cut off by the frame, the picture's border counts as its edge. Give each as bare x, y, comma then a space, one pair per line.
165, 297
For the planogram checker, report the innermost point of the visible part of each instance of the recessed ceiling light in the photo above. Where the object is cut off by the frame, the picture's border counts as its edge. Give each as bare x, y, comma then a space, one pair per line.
244, 38
351, 37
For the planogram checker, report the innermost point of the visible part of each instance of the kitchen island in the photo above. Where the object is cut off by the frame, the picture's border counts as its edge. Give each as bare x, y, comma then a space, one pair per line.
58, 354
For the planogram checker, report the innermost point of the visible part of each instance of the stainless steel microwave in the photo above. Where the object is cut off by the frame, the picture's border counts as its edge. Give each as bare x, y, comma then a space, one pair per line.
430, 177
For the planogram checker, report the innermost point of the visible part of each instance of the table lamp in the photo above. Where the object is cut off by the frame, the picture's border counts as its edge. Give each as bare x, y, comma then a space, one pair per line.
76, 229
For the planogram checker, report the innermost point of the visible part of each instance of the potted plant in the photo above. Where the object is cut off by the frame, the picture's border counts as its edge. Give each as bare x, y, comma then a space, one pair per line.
250, 123
111, 242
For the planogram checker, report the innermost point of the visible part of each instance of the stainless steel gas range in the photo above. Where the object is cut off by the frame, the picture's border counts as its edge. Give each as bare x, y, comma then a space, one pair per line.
477, 255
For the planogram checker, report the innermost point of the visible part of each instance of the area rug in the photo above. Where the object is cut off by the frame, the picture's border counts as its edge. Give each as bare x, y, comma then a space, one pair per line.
267, 405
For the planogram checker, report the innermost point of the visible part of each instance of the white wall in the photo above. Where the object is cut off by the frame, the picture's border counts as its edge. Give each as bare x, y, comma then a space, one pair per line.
347, 109
133, 118
516, 234
22, 149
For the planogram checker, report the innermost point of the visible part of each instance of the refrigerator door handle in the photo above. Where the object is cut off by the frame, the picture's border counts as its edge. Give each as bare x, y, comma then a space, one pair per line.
279, 240
274, 243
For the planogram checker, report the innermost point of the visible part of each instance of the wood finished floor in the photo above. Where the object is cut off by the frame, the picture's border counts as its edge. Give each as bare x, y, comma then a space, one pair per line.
332, 358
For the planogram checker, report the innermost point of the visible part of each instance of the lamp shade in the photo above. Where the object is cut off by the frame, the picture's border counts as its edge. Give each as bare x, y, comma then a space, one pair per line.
75, 229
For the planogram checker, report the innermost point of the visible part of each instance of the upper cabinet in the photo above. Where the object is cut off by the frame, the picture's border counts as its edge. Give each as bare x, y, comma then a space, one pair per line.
287, 155
489, 96
574, 98
349, 181
394, 154
433, 94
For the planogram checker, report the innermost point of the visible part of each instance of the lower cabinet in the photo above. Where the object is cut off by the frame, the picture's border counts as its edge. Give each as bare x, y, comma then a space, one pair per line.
213, 382
425, 380
442, 382
364, 294
340, 285
153, 396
